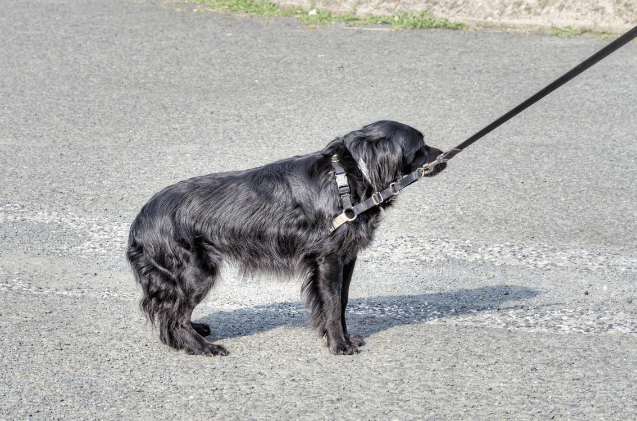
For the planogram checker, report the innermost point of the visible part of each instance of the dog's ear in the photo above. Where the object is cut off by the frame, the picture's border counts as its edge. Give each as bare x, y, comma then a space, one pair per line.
381, 156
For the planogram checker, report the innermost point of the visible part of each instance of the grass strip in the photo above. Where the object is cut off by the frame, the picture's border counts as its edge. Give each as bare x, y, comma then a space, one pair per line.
406, 20
397, 20
571, 31
567, 31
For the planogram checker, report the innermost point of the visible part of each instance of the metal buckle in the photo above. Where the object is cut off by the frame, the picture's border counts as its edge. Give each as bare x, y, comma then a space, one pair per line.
342, 219
393, 188
341, 179
425, 170
377, 201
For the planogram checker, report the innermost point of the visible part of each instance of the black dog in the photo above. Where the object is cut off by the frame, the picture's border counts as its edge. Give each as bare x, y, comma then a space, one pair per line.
274, 219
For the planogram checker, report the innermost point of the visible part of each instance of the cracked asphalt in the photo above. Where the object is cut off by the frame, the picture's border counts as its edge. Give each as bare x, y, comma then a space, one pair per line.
504, 288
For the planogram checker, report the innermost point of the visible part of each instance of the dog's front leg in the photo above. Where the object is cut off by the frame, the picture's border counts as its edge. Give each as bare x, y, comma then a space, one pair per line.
348, 271
327, 309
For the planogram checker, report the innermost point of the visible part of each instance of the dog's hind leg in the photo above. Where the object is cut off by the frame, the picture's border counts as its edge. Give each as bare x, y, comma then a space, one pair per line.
181, 333
323, 289
170, 296
348, 271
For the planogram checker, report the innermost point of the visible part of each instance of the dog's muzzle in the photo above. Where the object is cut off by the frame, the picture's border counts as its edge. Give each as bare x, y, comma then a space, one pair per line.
436, 162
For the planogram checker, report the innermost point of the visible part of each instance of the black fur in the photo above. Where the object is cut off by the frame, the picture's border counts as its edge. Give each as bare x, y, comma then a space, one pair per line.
273, 219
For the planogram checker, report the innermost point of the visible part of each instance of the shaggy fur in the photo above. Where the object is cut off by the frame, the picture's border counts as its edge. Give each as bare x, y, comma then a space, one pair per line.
273, 219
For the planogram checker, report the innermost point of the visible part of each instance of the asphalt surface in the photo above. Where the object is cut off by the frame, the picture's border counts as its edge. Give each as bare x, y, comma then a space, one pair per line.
504, 288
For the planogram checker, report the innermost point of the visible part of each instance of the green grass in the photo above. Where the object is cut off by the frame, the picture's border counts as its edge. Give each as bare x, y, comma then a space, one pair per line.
605, 35
406, 20
323, 17
251, 7
570, 31
398, 20
567, 31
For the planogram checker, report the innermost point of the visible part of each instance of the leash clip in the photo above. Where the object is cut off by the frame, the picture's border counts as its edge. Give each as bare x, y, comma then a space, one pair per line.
423, 171
440, 159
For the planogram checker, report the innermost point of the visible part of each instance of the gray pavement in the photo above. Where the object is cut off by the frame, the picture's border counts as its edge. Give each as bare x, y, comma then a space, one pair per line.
504, 288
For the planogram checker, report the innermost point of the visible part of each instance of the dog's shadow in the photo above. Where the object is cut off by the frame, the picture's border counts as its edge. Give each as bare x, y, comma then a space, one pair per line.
367, 316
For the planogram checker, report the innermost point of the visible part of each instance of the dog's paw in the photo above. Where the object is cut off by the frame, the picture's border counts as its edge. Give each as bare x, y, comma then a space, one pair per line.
356, 340
344, 348
201, 328
208, 350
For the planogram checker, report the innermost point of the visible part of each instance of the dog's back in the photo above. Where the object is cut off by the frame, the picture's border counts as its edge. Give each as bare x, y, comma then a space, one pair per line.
262, 218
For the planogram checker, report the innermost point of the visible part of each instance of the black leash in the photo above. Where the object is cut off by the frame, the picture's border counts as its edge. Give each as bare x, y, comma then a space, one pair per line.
571, 74
350, 214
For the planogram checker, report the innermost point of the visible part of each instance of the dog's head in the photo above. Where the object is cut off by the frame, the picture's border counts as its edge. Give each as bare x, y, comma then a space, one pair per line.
389, 150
